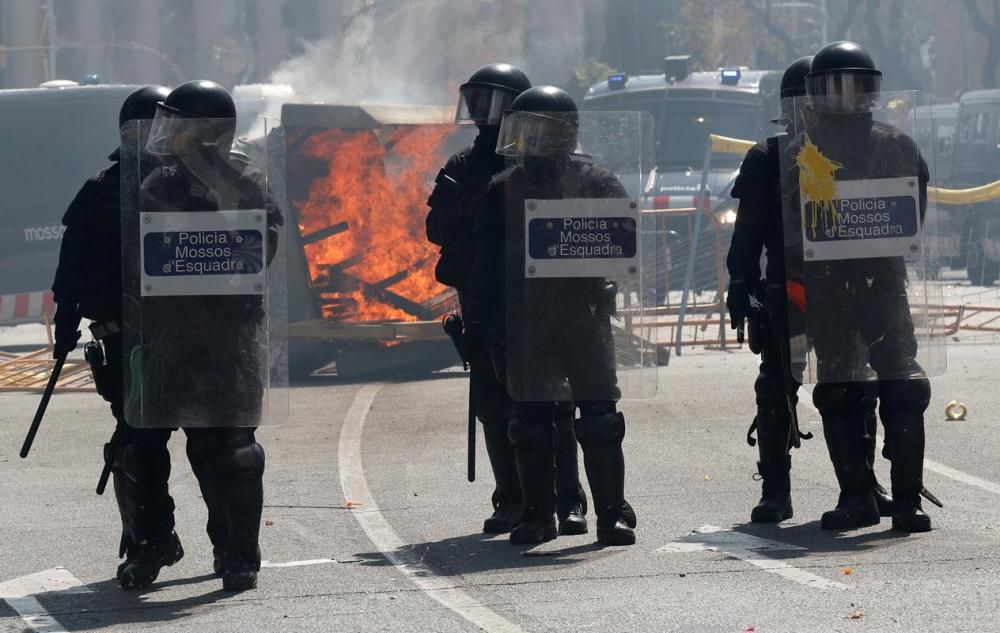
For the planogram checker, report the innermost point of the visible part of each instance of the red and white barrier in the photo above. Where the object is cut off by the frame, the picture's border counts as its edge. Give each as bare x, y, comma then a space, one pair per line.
26, 307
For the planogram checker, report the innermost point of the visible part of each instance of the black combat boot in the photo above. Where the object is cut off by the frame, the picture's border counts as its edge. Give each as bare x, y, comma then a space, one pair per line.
140, 475
244, 502
906, 440
601, 438
571, 500
774, 428
534, 446
775, 503
856, 506
882, 497
145, 559
572, 511
507, 505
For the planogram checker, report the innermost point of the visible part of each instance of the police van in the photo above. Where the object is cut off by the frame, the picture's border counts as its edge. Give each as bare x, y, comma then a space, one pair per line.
54, 138
686, 107
976, 161
935, 127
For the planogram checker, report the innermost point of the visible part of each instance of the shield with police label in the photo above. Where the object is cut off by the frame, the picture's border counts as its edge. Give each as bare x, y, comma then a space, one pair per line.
862, 303
578, 267
203, 278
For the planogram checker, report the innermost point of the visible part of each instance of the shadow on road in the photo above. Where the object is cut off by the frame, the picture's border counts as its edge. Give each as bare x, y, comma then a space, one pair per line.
479, 553
817, 540
110, 607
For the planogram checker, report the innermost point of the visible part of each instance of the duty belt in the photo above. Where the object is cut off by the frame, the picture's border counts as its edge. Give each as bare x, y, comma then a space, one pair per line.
104, 330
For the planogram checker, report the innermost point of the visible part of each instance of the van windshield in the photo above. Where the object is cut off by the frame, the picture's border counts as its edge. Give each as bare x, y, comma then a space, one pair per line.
683, 124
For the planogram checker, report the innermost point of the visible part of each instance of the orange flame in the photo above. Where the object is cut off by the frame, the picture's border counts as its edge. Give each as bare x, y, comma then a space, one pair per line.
380, 188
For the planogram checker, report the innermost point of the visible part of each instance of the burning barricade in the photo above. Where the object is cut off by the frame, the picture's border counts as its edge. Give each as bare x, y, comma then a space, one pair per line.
361, 272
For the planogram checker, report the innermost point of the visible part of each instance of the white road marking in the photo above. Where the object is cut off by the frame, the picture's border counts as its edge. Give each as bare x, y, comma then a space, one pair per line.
297, 563
381, 534
933, 466
748, 548
21, 593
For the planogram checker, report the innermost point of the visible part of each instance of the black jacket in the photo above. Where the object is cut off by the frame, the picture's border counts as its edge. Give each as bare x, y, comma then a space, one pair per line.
459, 192
759, 217
88, 278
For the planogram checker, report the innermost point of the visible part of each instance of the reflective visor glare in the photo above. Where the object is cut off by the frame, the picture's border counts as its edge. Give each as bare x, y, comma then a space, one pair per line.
534, 134
482, 106
844, 92
160, 133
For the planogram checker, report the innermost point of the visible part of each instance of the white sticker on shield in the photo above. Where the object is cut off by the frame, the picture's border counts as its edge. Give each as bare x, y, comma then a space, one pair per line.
191, 253
581, 238
863, 219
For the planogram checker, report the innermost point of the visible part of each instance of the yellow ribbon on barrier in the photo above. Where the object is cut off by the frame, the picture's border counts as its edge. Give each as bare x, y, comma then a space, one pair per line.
727, 145
972, 195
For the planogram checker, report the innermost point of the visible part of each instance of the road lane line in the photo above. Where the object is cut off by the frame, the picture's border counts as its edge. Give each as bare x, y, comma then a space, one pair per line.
381, 534
749, 549
297, 563
21, 593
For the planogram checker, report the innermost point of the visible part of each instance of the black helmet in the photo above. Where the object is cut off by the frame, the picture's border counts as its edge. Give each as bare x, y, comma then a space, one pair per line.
793, 81
542, 121
843, 78
489, 92
141, 104
200, 100
204, 109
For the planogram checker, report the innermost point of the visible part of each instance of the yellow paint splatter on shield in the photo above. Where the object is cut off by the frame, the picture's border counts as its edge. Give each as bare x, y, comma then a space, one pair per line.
818, 185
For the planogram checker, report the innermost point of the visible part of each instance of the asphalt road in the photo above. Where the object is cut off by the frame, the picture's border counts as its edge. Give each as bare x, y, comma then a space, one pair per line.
371, 526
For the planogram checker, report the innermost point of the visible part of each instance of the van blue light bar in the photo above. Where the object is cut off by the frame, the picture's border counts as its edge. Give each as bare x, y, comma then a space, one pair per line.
731, 76
617, 81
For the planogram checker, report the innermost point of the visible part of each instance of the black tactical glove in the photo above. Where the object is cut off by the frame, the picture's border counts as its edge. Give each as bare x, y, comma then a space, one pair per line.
67, 321
738, 302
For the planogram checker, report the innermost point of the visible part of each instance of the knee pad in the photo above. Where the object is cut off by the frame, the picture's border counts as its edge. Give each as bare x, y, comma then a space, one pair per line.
600, 429
530, 434
909, 396
145, 464
245, 462
834, 399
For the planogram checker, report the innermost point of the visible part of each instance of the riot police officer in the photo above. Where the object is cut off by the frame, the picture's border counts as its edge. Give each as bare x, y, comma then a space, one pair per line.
187, 167
459, 192
857, 310
571, 315
758, 230
88, 284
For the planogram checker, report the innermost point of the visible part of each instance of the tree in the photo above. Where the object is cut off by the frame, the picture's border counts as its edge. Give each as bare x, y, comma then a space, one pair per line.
990, 29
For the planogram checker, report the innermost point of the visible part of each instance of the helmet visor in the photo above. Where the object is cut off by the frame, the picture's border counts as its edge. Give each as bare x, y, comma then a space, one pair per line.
844, 92
162, 131
172, 133
482, 105
537, 134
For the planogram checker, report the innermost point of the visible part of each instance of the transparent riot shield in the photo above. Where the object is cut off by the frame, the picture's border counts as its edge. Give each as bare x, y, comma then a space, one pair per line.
862, 301
203, 277
578, 307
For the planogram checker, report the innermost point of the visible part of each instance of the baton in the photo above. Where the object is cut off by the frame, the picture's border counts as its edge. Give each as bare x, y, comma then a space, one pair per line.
471, 463
109, 459
740, 331
49, 388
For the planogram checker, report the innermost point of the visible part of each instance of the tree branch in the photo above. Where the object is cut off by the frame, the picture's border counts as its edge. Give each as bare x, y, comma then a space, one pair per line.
978, 20
764, 15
